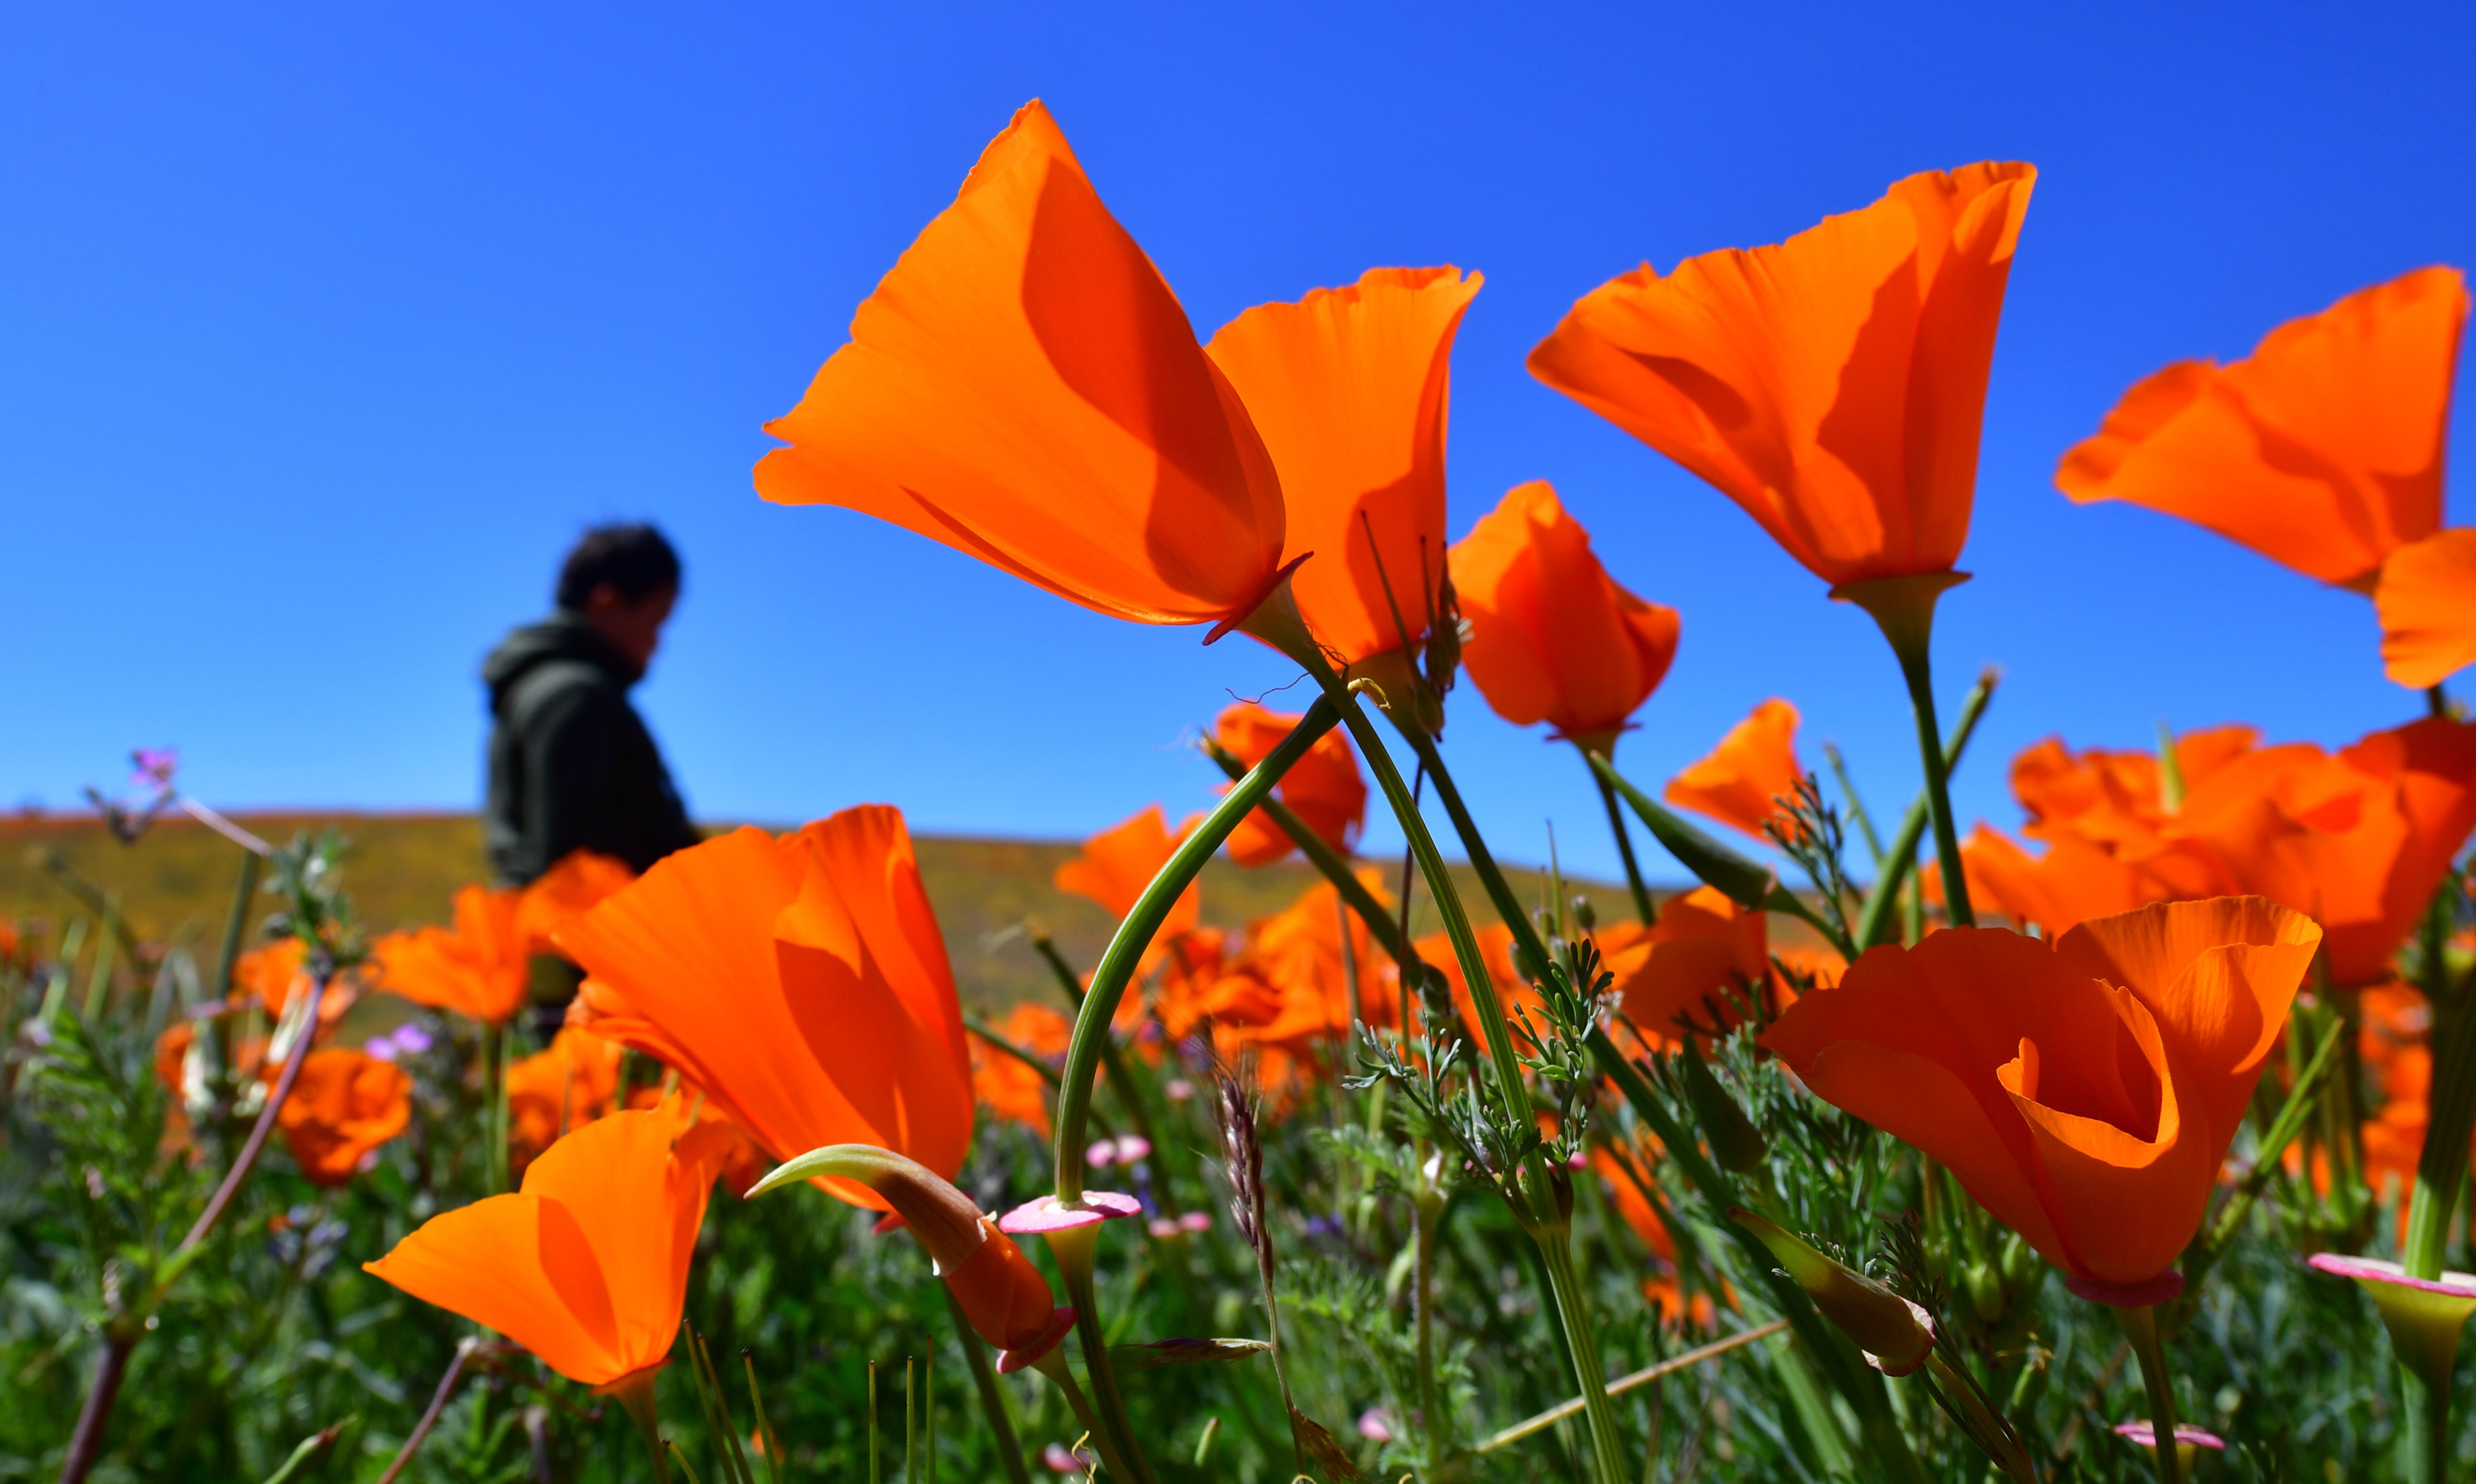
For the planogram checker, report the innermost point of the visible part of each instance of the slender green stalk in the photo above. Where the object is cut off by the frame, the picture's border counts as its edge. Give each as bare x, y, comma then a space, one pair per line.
993, 1407
1435, 1426
2141, 1327
1874, 923
1642, 906
496, 1055
1607, 1449
875, 1465
2442, 1168
910, 1426
1118, 964
635, 1393
1562, 1410
1918, 670
1856, 805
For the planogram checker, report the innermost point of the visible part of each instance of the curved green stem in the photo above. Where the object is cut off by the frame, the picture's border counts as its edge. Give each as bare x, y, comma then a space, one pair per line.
2141, 1327
1642, 905
1875, 922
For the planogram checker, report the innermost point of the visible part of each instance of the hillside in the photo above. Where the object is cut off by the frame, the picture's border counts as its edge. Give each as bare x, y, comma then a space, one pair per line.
403, 869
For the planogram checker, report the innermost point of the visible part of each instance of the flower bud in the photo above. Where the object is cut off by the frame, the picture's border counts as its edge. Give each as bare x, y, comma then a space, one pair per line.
1735, 1142
1002, 1293
1896, 1335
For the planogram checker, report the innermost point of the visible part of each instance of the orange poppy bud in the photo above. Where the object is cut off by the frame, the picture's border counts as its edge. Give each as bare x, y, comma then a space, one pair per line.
1834, 384
1552, 637
2321, 450
2084, 1091
1743, 779
799, 983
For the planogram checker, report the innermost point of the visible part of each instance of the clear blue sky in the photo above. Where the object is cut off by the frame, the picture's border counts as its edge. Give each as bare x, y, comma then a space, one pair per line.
324, 329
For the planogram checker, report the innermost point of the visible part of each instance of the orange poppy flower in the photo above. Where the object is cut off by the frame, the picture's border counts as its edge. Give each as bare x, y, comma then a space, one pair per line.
2321, 451
1702, 955
1552, 637
2084, 1091
1832, 386
482, 968
1753, 767
1024, 387
344, 1104
1348, 388
2427, 601
575, 885
274, 972
587, 1265
571, 1084
1119, 862
799, 983
1005, 1085
1495, 949
1323, 789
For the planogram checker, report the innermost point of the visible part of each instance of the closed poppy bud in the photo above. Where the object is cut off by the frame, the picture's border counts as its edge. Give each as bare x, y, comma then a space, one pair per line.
1002, 1293
1735, 1142
1896, 1335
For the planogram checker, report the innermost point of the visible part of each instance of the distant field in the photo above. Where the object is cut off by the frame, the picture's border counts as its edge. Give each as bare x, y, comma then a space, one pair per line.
403, 869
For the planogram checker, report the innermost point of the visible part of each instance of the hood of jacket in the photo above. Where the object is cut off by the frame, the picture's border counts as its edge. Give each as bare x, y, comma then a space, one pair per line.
563, 635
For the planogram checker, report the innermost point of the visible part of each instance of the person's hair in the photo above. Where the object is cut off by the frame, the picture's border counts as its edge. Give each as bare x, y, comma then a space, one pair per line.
633, 559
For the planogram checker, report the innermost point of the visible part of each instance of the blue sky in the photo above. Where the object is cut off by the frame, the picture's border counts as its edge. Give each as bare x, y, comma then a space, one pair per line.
324, 329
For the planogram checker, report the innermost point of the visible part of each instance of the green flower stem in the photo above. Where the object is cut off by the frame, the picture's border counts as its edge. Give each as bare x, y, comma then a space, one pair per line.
1380, 923
1090, 1041
2141, 1327
1642, 905
1910, 634
1122, 1080
497, 1120
993, 1407
1607, 1449
635, 1393
1105, 1411
1426, 1212
1876, 922
1849, 1373
2442, 1168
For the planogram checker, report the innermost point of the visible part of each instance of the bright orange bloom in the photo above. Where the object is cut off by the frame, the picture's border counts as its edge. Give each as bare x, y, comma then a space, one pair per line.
1119, 862
1702, 955
799, 983
552, 1092
344, 1104
2085, 1091
1323, 789
1005, 1085
481, 968
2427, 601
1753, 767
1496, 948
275, 973
575, 885
588, 1264
1552, 637
2322, 449
1024, 387
2358, 841
1832, 386
1349, 389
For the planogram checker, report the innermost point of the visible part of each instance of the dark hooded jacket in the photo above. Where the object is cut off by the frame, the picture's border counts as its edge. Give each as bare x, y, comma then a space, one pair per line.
572, 766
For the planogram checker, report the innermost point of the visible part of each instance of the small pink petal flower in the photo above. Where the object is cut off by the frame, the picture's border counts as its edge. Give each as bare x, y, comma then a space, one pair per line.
2186, 1435
1177, 1089
2374, 1270
1196, 1220
1163, 1226
1375, 1425
1132, 1147
1048, 1214
1102, 1153
1061, 1461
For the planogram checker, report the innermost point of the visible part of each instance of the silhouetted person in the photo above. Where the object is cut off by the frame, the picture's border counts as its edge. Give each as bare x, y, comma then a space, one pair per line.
572, 766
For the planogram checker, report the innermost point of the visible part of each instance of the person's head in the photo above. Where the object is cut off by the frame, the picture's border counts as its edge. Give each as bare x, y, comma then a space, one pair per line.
622, 581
